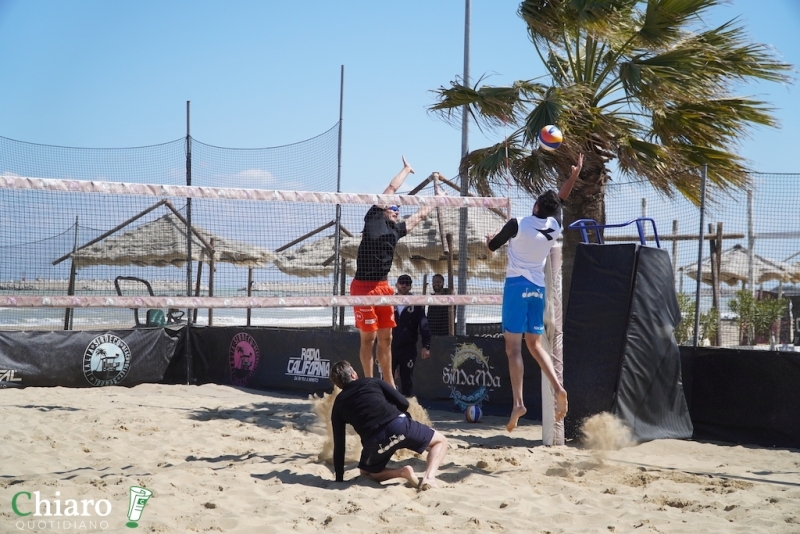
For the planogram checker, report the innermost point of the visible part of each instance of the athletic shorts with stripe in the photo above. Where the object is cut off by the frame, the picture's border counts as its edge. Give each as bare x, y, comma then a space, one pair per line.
371, 318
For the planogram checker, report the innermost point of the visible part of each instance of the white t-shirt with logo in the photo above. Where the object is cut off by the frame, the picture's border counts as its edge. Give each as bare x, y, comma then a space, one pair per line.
528, 250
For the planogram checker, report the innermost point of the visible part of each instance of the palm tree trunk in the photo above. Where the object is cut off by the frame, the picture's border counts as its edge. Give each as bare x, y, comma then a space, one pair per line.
587, 201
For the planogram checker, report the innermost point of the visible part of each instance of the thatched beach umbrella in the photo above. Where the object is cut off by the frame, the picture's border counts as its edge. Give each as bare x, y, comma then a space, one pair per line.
735, 268
162, 243
419, 253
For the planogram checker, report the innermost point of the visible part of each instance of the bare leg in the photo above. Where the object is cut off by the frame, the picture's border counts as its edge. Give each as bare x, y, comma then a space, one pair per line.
437, 448
541, 356
365, 351
406, 472
385, 354
516, 370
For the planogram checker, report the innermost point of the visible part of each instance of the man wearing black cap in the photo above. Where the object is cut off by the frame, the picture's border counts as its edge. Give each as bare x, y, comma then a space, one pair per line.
411, 323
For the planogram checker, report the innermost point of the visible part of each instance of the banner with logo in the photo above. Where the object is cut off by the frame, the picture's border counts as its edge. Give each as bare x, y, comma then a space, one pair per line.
269, 358
461, 371
464, 371
84, 358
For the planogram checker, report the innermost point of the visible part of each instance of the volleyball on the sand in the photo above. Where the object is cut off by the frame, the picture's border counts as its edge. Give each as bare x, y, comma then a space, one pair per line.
473, 414
550, 138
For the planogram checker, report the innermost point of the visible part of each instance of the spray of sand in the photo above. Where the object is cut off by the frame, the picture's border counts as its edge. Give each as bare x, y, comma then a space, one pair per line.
604, 432
322, 409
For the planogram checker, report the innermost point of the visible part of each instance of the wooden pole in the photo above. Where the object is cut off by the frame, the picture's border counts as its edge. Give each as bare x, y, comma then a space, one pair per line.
197, 288
446, 248
450, 311
249, 292
211, 269
713, 246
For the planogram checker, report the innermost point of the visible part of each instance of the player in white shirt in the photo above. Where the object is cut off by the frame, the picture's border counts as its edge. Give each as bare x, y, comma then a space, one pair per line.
529, 242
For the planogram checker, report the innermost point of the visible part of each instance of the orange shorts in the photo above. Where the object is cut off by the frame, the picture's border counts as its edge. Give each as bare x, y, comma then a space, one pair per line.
371, 318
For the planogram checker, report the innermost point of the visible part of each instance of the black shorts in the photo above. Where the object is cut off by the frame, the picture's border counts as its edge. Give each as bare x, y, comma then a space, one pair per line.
402, 433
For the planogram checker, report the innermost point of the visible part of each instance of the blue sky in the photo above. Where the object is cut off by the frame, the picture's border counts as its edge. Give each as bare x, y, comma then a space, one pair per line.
260, 73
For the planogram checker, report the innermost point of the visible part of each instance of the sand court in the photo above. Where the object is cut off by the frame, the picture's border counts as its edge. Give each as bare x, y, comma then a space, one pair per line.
223, 459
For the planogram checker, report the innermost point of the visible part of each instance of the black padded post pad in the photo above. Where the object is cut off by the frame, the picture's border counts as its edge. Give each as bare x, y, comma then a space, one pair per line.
594, 328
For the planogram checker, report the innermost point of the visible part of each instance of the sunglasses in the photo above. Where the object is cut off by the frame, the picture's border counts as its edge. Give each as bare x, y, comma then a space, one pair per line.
393, 208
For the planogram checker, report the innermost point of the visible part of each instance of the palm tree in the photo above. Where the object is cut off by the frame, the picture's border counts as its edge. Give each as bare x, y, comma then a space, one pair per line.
641, 82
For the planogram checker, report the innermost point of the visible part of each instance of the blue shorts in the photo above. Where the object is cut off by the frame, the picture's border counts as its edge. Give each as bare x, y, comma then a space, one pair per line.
402, 433
523, 306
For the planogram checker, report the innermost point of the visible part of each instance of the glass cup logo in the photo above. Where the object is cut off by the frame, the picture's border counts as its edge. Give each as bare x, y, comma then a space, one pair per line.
138, 498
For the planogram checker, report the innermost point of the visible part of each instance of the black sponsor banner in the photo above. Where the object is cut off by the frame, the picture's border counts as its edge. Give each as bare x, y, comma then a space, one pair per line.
85, 358
474, 370
461, 370
270, 358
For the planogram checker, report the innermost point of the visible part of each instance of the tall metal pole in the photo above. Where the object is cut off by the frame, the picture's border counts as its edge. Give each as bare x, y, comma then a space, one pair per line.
337, 232
703, 177
188, 245
461, 313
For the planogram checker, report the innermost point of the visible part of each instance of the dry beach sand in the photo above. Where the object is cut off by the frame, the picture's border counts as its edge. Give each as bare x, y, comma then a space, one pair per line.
224, 459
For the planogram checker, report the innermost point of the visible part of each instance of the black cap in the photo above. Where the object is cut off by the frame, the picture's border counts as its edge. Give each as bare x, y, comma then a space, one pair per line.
404, 279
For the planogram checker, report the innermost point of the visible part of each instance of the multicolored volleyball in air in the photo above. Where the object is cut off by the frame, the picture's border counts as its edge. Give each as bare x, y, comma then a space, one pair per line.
550, 138
473, 414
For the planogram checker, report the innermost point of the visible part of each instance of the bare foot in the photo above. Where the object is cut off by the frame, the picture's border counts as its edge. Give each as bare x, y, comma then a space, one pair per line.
407, 166
408, 474
561, 405
516, 413
427, 483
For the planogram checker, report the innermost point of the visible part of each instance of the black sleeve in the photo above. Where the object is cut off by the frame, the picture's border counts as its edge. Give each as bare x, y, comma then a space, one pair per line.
424, 331
402, 231
507, 232
394, 396
339, 433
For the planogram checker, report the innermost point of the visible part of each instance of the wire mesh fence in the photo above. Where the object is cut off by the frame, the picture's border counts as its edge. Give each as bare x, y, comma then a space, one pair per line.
286, 248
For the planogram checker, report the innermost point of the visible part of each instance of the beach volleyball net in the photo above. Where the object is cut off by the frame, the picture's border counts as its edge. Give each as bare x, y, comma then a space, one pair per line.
81, 254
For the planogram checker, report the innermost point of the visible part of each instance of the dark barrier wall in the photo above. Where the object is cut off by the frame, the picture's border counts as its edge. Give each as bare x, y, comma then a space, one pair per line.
650, 394
594, 326
460, 371
620, 354
743, 396
734, 396
85, 359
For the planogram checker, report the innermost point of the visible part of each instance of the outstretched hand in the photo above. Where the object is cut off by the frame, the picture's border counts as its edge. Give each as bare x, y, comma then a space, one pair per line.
576, 169
437, 187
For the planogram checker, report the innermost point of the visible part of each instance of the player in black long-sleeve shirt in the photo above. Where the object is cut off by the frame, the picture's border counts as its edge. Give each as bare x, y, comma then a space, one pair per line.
382, 230
378, 413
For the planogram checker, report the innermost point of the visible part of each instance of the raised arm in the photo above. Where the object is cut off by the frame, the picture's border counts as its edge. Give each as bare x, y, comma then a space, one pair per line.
566, 189
423, 212
398, 180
